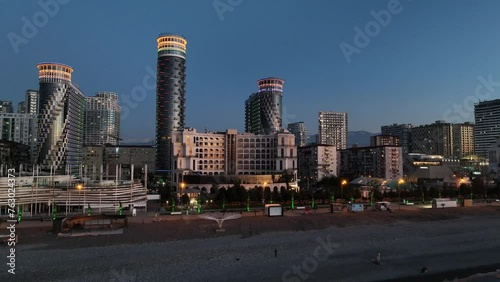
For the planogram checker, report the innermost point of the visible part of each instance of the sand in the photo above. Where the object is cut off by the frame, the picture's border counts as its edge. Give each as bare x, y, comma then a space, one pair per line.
316, 247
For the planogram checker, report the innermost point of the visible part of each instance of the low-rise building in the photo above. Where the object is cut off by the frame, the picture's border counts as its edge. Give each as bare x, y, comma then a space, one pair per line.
378, 161
233, 153
315, 162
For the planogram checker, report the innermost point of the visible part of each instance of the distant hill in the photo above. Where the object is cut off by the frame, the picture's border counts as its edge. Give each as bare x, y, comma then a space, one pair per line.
362, 138
138, 142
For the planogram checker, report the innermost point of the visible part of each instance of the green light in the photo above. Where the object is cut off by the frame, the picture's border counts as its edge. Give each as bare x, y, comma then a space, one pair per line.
121, 208
54, 215
89, 210
199, 205
293, 201
248, 204
313, 203
19, 214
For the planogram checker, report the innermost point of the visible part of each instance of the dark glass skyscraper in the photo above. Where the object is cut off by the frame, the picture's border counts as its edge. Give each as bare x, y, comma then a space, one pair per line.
60, 119
170, 95
263, 109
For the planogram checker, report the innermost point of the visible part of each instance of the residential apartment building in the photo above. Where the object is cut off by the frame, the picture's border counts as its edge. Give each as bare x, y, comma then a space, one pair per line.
102, 119
6, 107
403, 131
445, 139
332, 129
384, 140
380, 162
315, 162
19, 128
463, 139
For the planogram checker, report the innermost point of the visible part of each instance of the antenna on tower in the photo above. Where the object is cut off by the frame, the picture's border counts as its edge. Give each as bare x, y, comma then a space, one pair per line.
206, 130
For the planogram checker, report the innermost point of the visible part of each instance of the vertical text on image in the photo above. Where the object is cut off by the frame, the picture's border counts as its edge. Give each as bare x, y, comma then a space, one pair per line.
11, 202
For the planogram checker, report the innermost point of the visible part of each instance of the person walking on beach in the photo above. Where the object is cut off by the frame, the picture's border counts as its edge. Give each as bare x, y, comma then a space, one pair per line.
377, 260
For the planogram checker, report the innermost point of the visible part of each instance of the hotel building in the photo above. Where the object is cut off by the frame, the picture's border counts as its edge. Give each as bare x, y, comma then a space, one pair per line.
61, 118
263, 109
233, 153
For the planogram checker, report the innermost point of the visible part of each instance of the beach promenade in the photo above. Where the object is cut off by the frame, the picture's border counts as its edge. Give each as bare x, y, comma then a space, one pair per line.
315, 247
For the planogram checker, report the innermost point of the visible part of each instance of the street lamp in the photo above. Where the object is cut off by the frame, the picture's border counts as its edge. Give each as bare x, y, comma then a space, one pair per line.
462, 181
344, 182
400, 181
79, 187
264, 194
181, 192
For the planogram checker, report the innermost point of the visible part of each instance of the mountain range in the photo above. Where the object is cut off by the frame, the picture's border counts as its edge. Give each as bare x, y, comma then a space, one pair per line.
361, 138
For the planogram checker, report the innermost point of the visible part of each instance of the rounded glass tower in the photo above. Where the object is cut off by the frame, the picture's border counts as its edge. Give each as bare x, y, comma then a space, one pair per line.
170, 95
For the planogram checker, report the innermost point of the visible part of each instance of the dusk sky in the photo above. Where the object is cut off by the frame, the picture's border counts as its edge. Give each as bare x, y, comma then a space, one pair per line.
426, 59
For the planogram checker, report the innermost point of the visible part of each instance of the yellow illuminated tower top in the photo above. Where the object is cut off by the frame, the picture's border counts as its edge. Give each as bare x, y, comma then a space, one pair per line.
54, 70
171, 45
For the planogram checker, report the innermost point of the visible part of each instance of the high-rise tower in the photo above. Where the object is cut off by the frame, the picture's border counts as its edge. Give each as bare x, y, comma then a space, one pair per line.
32, 102
102, 119
486, 131
60, 123
170, 95
263, 109
299, 130
332, 129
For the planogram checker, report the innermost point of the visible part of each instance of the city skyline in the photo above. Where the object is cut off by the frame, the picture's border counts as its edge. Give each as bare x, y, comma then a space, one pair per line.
399, 70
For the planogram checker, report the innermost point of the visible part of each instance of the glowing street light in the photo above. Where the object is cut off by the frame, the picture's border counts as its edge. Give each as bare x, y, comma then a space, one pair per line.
79, 186
462, 181
344, 182
400, 181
